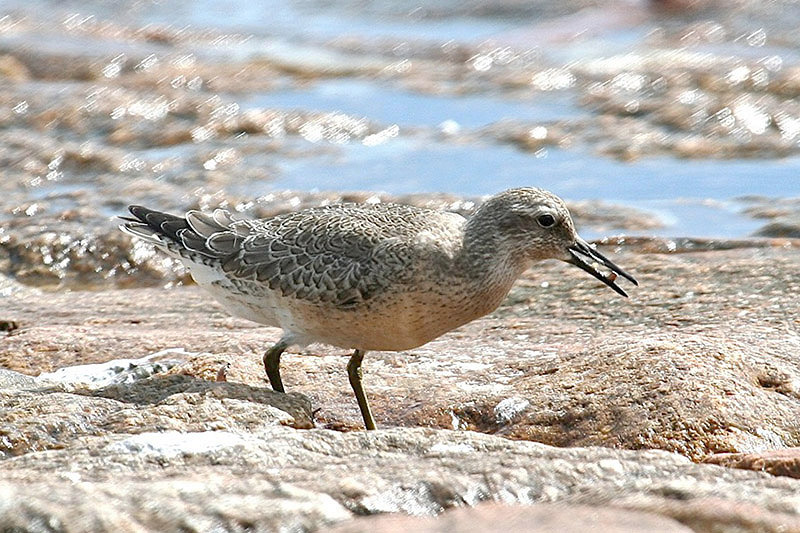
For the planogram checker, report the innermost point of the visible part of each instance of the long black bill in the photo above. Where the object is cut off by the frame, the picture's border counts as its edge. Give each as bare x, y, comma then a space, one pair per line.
584, 256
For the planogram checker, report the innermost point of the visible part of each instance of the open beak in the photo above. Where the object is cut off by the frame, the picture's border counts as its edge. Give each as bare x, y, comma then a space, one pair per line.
585, 257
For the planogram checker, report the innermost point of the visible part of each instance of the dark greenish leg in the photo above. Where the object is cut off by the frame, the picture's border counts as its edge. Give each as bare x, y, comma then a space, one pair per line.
354, 373
272, 363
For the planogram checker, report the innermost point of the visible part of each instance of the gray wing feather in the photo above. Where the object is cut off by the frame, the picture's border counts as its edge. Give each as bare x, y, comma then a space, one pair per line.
339, 255
215, 235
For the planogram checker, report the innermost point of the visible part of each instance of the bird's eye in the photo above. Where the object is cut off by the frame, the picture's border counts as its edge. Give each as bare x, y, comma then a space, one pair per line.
546, 221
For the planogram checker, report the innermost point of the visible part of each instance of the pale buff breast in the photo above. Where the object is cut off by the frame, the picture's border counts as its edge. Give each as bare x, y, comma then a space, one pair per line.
391, 323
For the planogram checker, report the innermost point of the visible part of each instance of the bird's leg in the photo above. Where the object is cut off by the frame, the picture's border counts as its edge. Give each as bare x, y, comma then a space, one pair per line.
272, 363
354, 373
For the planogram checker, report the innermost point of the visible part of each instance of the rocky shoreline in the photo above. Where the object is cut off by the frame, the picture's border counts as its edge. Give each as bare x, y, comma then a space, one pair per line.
171, 411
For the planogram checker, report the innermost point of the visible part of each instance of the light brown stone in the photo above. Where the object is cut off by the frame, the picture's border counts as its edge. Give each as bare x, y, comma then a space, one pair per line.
784, 462
536, 518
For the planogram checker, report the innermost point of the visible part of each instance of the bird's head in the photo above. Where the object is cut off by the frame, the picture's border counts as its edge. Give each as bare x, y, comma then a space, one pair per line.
530, 225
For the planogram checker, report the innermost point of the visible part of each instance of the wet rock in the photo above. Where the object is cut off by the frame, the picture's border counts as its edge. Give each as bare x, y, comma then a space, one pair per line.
322, 62
530, 136
12, 69
604, 217
786, 227
693, 105
536, 518
11, 287
135, 88
776, 462
767, 208
67, 254
782, 215
681, 245
55, 65
675, 102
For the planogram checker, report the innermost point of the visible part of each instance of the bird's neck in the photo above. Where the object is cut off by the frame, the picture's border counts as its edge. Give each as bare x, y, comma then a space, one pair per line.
486, 260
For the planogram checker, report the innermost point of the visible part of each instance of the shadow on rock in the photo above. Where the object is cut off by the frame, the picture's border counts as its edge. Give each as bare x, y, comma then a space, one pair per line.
45, 418
157, 389
197, 399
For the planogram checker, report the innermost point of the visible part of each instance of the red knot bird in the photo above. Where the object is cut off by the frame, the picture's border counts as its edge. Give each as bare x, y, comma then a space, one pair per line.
370, 276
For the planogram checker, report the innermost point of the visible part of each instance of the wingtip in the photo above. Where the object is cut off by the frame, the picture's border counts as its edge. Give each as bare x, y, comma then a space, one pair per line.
139, 211
126, 228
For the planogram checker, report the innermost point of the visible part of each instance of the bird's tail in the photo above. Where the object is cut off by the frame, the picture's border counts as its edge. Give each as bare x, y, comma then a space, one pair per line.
178, 236
154, 227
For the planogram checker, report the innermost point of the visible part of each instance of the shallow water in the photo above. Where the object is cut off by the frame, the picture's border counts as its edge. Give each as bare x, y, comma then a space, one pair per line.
392, 105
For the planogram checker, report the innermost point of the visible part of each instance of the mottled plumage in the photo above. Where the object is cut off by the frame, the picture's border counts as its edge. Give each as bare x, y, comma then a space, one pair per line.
368, 276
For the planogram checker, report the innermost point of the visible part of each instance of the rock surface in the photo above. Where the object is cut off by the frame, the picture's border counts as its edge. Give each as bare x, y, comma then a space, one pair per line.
152, 403
278, 477
781, 215
536, 518
700, 360
784, 462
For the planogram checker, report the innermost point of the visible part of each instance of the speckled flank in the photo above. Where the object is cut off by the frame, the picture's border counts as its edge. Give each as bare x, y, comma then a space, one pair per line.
369, 276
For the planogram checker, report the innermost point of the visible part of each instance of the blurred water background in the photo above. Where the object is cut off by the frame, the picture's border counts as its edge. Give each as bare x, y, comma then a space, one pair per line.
686, 111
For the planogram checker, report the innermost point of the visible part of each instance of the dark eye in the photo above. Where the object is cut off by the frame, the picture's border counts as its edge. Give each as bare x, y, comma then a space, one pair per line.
546, 221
